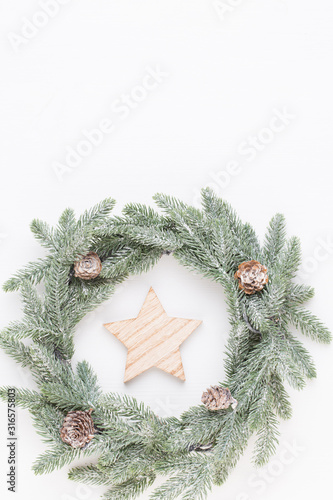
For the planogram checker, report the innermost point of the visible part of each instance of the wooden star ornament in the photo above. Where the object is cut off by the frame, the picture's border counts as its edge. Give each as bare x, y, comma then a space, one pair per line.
153, 339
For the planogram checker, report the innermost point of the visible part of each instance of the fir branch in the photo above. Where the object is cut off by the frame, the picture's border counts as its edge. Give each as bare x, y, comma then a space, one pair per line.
77, 392
38, 334
90, 474
33, 305
242, 235
289, 259
24, 398
64, 398
88, 378
48, 421
34, 272
300, 356
267, 437
44, 234
280, 398
130, 489
249, 326
55, 458
66, 224
131, 462
97, 214
198, 426
126, 406
194, 481
231, 440
16, 349
61, 454
46, 366
149, 235
298, 293
130, 260
308, 324
57, 299
85, 297
141, 214
274, 239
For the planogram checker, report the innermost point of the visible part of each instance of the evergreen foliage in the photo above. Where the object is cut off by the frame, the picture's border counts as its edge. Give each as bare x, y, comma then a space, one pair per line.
132, 443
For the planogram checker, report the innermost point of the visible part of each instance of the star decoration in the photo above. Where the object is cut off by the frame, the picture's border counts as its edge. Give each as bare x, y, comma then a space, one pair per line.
153, 339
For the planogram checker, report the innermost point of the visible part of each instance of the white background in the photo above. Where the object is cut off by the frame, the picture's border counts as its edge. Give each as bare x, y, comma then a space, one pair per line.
226, 75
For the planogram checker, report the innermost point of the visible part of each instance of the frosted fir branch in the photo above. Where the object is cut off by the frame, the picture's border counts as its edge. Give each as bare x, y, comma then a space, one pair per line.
249, 326
147, 235
17, 350
46, 366
275, 239
232, 439
66, 224
47, 420
97, 214
142, 213
309, 325
300, 356
60, 454
44, 234
24, 398
299, 293
280, 398
55, 458
134, 461
192, 481
130, 260
130, 489
34, 272
267, 438
289, 259
80, 390
39, 334
127, 406
66, 399
90, 474
84, 299
217, 210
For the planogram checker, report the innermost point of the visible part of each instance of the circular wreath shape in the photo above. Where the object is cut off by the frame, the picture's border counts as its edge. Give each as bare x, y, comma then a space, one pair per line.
87, 257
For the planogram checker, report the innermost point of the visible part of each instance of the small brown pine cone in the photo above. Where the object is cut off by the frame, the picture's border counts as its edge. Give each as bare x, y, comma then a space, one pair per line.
89, 267
218, 398
78, 428
252, 276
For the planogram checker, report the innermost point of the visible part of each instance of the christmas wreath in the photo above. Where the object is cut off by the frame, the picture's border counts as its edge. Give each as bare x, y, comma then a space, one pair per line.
87, 258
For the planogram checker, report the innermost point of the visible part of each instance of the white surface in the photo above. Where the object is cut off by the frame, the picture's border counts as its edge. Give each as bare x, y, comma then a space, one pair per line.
227, 79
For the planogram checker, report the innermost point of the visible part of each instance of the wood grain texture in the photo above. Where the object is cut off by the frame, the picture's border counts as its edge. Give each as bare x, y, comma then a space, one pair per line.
153, 339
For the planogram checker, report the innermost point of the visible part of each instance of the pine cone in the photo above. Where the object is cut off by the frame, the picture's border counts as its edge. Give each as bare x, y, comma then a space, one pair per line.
218, 398
88, 267
78, 428
252, 276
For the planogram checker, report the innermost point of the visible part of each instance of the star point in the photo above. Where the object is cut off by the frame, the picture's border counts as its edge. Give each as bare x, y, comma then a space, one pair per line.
153, 339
